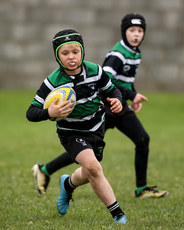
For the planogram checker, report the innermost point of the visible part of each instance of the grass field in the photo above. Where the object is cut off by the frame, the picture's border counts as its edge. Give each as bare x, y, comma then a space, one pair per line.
23, 144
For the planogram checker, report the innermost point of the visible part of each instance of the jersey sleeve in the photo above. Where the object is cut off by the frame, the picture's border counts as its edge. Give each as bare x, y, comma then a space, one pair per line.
35, 111
127, 94
109, 89
36, 114
111, 65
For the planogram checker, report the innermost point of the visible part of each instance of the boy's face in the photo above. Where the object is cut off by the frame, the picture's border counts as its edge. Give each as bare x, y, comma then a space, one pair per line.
134, 35
70, 56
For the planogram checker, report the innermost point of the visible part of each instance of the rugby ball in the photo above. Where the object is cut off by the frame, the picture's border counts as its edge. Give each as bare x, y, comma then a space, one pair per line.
64, 93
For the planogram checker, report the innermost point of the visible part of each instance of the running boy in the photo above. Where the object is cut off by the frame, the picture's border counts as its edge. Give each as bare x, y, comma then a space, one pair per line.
82, 132
121, 64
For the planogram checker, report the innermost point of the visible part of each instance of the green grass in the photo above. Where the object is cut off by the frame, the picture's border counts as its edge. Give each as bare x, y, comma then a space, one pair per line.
24, 143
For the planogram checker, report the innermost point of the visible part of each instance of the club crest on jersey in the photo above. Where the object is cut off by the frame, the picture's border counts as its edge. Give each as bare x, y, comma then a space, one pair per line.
81, 141
126, 68
92, 88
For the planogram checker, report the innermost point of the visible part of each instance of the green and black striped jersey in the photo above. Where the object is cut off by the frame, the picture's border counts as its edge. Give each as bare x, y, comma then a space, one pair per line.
89, 85
121, 64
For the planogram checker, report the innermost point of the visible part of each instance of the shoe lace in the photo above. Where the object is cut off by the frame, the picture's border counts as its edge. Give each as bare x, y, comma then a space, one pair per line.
152, 188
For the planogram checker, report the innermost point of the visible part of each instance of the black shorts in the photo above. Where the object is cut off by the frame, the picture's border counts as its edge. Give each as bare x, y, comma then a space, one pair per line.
74, 143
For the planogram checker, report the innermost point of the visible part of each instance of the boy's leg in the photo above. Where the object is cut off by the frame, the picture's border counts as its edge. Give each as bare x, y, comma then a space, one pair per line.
92, 171
42, 172
80, 147
130, 125
59, 162
132, 128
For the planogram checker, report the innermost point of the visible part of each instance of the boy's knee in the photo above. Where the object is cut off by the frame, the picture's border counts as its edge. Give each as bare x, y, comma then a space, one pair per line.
94, 169
143, 141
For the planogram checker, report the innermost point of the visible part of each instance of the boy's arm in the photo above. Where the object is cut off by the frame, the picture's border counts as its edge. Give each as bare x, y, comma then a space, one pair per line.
114, 93
113, 100
36, 114
111, 66
115, 105
127, 94
112, 96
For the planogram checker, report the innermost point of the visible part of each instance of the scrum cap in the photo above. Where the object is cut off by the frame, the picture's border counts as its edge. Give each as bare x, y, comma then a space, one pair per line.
65, 37
131, 20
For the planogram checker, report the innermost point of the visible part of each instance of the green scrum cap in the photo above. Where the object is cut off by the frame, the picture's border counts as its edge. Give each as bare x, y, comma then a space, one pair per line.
65, 37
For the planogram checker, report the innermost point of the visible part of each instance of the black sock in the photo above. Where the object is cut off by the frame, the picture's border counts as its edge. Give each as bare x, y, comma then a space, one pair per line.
115, 210
69, 186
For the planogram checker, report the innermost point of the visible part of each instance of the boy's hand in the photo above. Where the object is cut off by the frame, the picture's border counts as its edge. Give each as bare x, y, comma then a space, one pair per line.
116, 105
136, 107
136, 103
139, 98
61, 110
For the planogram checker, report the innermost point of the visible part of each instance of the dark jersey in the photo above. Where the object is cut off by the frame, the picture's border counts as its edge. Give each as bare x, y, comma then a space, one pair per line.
89, 85
121, 64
